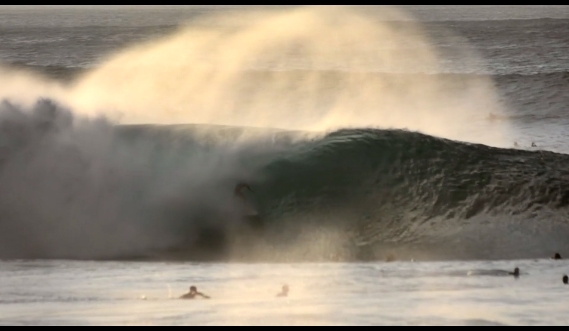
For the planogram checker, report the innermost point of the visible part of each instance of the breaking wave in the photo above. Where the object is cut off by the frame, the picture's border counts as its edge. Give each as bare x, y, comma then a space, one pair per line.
299, 105
88, 189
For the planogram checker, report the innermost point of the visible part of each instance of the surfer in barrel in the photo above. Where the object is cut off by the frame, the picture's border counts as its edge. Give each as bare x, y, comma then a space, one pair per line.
249, 214
239, 190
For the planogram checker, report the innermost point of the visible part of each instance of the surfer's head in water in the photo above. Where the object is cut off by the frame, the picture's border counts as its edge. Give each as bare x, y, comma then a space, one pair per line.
193, 294
565, 280
284, 291
557, 256
516, 272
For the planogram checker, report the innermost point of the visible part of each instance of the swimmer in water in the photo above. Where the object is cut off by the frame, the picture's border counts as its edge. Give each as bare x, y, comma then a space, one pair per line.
193, 294
533, 144
557, 256
516, 273
565, 280
284, 292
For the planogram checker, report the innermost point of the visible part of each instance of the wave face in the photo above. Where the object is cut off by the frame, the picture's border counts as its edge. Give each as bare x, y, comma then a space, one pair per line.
87, 189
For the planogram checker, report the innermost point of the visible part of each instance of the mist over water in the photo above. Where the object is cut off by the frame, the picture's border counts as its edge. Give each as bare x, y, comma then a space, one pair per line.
71, 188
80, 180
307, 68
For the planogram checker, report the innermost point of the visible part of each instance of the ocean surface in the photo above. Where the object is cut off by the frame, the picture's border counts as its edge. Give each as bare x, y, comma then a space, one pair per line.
401, 161
399, 293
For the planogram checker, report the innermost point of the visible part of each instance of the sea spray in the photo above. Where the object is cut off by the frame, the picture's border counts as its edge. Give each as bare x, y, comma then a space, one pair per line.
315, 68
77, 182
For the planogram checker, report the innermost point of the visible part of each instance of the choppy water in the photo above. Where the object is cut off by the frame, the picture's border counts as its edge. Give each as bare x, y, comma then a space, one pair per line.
363, 137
